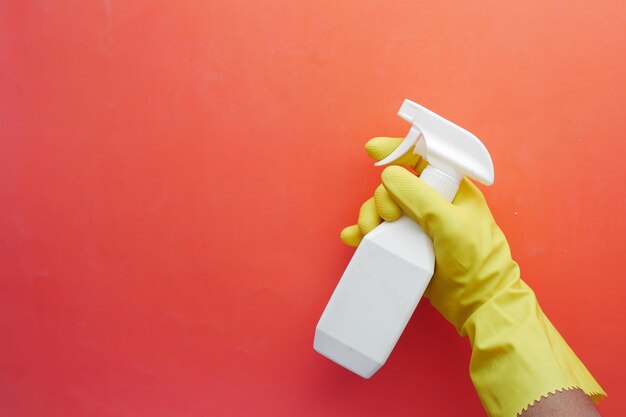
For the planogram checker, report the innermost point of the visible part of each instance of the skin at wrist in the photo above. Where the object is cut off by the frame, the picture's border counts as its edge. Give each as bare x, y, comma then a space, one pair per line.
568, 403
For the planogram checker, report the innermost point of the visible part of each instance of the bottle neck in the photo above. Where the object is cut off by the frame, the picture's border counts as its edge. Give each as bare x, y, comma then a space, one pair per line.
445, 184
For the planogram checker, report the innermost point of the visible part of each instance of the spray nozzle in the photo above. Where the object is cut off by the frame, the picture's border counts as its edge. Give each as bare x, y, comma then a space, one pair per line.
446, 146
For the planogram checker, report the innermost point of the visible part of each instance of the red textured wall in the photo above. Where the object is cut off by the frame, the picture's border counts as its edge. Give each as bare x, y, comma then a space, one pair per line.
174, 177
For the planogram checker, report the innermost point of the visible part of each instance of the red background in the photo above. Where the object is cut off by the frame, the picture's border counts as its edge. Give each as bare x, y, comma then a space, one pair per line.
174, 177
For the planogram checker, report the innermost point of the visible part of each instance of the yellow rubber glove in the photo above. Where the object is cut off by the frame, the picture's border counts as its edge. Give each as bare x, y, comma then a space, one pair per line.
517, 354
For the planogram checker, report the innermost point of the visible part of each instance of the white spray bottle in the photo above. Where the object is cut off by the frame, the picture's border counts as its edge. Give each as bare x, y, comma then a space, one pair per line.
394, 263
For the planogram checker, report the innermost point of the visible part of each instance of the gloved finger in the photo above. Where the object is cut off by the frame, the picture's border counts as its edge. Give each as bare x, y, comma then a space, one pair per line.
418, 200
368, 217
378, 148
351, 236
385, 206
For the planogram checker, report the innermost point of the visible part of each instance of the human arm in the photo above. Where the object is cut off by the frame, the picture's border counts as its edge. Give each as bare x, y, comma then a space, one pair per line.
568, 403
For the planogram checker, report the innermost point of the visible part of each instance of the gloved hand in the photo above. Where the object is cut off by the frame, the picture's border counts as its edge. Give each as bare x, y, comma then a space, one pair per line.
517, 355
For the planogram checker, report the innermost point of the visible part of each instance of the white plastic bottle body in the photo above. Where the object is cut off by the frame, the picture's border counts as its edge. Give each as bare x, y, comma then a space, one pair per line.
376, 296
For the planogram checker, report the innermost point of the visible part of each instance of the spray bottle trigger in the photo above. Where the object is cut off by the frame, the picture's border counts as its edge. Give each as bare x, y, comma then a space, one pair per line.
411, 139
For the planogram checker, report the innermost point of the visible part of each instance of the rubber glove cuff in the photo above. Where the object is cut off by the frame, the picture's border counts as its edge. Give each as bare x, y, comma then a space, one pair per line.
513, 340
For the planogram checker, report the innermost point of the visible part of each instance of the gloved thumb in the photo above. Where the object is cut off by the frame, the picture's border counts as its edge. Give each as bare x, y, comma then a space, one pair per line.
417, 199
